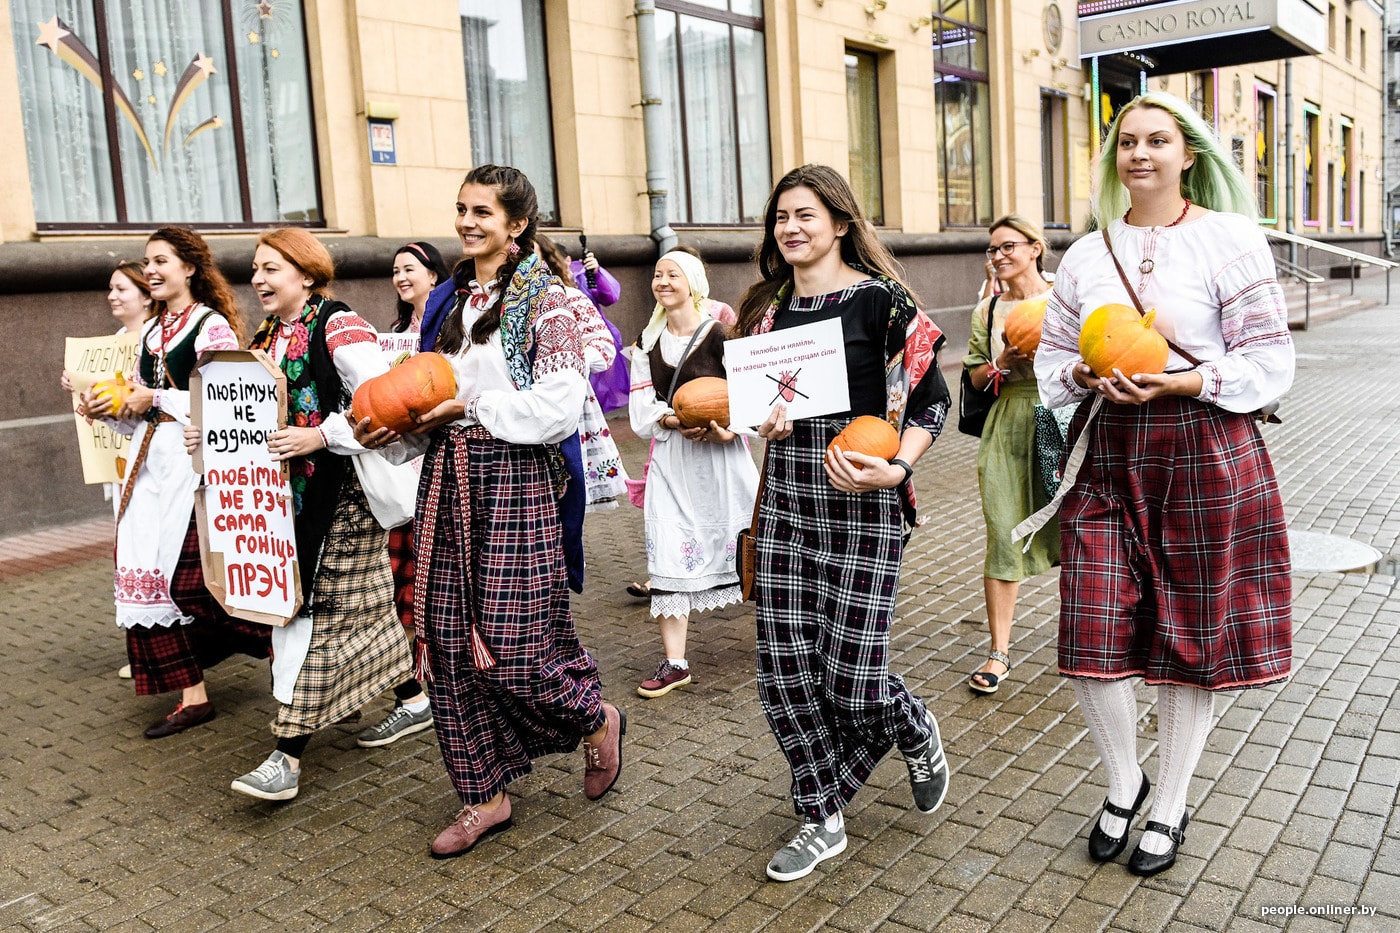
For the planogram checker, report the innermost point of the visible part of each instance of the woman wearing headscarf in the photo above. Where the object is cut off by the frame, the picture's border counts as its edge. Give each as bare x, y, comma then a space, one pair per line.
701, 484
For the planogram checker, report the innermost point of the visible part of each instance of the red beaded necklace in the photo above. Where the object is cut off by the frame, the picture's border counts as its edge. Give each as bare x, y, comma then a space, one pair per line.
1184, 208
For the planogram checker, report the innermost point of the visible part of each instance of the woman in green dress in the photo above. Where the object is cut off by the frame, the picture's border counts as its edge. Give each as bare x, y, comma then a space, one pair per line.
1006, 470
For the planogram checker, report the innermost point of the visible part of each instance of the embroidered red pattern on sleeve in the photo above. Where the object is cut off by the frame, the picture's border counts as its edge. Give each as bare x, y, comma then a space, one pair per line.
347, 328
557, 346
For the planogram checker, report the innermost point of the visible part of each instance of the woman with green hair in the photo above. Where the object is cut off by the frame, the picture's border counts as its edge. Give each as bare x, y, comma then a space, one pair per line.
1174, 553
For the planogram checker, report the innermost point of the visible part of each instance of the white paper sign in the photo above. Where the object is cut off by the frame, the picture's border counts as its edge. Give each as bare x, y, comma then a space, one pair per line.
247, 530
803, 367
398, 347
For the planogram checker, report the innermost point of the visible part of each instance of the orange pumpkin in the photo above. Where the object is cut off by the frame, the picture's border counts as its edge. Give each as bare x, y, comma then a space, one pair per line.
867, 435
1022, 328
1117, 337
396, 399
116, 390
702, 400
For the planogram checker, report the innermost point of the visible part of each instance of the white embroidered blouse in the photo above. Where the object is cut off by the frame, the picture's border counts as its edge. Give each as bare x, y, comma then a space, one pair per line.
1217, 296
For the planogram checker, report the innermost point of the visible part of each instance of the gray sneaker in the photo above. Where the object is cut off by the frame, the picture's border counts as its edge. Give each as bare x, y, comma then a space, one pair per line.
274, 779
811, 845
399, 723
928, 771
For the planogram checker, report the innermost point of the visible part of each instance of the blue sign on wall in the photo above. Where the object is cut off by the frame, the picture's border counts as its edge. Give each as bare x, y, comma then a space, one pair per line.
381, 143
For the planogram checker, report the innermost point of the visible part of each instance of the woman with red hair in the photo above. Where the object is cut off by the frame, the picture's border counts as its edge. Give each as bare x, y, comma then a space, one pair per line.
346, 646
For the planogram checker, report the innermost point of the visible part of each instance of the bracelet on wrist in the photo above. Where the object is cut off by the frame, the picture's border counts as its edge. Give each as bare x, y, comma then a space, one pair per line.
903, 465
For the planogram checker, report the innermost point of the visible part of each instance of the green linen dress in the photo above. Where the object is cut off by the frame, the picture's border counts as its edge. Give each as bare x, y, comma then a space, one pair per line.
1006, 473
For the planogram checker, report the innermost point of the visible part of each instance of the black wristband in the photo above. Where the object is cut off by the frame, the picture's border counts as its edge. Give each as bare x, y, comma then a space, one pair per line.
908, 470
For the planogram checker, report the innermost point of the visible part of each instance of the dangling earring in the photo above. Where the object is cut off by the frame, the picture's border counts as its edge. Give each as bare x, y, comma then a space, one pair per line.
513, 249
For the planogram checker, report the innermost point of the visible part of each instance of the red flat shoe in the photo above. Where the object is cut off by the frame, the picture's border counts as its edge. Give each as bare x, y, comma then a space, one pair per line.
183, 717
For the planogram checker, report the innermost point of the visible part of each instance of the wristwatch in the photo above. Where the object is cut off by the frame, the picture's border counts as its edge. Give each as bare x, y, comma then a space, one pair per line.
908, 470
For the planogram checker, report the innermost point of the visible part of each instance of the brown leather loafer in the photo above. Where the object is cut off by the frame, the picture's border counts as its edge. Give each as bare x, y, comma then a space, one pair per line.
602, 763
181, 719
468, 827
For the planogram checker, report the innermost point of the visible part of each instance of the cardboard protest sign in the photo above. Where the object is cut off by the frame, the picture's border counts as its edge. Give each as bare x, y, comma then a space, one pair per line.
94, 359
802, 367
243, 508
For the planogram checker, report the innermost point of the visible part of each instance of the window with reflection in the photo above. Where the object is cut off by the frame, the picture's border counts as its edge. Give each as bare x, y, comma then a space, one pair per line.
963, 112
1345, 170
715, 93
156, 111
863, 125
508, 91
1265, 157
1312, 148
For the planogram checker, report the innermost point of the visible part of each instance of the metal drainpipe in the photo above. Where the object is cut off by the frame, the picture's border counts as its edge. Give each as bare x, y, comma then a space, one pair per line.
654, 127
1288, 156
1387, 75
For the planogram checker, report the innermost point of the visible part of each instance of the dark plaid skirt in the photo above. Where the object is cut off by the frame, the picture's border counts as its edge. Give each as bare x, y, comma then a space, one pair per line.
402, 565
175, 657
827, 573
1175, 563
490, 542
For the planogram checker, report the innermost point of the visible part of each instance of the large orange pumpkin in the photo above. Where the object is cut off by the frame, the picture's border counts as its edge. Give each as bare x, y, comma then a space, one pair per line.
867, 435
702, 400
396, 399
117, 390
1117, 337
1022, 328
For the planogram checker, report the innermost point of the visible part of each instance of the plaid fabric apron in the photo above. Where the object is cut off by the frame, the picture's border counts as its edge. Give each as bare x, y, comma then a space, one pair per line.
491, 571
1175, 562
827, 574
357, 645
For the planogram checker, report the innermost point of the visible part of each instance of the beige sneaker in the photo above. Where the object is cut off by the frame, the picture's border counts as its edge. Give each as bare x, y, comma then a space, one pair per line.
124, 672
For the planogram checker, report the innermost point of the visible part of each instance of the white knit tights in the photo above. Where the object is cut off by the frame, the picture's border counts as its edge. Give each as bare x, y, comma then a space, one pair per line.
1185, 715
1110, 710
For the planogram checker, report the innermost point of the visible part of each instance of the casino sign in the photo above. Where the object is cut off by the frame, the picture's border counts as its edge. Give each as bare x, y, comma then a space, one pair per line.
1193, 35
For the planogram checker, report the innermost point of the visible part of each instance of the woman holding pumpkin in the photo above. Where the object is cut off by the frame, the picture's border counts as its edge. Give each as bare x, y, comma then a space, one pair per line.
701, 482
830, 536
1006, 470
347, 645
1175, 555
174, 628
497, 548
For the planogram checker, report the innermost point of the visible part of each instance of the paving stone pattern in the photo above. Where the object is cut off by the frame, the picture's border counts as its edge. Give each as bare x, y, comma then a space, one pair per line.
1294, 803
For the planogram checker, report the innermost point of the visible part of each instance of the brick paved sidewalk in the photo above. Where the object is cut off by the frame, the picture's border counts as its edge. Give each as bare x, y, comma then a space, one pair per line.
1294, 803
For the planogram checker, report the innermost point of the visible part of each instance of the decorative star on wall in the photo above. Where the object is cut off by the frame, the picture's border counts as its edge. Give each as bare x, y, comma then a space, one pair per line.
264, 11
253, 38
139, 75
51, 34
159, 68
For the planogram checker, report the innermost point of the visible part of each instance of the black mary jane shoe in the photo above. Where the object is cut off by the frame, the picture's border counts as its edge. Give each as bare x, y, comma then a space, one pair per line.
1147, 864
1106, 848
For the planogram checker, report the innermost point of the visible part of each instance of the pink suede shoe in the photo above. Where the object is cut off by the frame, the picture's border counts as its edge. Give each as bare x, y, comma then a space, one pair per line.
468, 826
603, 762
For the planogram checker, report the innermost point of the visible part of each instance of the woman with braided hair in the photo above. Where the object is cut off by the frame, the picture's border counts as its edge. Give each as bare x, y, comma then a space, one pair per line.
174, 628
499, 518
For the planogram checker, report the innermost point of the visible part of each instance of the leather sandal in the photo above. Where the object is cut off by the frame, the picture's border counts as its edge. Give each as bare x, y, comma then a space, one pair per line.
1146, 864
992, 680
639, 590
1106, 848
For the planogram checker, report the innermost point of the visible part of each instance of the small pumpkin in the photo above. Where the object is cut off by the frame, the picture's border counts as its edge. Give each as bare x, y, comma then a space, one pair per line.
1022, 328
1115, 336
115, 390
702, 400
867, 435
396, 399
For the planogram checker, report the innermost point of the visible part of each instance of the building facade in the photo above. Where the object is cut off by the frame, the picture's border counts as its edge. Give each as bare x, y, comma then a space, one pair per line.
359, 118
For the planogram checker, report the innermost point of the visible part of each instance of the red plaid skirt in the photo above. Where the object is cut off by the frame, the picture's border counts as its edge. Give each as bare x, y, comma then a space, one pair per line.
173, 658
1175, 562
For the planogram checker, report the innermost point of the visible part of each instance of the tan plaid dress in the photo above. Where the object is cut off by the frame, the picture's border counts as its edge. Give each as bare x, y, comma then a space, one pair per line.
357, 645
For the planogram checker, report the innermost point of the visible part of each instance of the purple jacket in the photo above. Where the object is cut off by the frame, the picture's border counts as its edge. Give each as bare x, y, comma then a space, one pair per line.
611, 385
